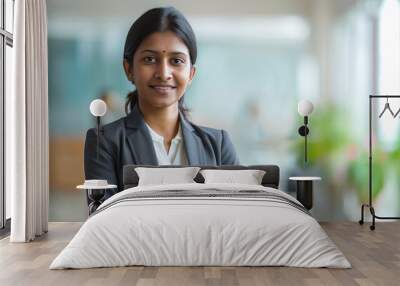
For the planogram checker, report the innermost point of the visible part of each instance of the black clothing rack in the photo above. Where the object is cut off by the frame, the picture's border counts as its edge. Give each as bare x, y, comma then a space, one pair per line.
369, 205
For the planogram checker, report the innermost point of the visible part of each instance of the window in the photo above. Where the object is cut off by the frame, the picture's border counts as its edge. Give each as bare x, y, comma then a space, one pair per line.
389, 64
6, 44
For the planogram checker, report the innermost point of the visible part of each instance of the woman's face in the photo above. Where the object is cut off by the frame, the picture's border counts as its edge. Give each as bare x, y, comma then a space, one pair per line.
161, 69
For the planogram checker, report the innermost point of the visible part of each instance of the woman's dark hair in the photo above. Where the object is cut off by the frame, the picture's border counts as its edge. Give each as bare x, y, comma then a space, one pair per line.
158, 20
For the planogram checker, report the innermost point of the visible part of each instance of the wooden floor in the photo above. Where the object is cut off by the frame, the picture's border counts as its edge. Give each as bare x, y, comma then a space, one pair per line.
374, 255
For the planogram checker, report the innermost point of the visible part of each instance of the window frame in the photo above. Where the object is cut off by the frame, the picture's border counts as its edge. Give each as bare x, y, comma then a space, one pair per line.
6, 39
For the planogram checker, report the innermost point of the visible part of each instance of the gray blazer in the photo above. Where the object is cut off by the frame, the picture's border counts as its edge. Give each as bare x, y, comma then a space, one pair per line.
128, 141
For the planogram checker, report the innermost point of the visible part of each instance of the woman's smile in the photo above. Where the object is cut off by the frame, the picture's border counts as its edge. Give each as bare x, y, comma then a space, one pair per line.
163, 89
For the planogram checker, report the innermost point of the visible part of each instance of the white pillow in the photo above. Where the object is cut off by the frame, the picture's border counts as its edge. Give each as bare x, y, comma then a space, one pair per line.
164, 176
248, 177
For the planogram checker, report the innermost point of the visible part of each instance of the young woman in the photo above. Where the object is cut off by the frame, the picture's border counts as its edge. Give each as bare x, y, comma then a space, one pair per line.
159, 56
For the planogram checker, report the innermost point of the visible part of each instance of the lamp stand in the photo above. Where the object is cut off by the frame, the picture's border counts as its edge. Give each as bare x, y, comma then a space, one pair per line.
98, 136
303, 131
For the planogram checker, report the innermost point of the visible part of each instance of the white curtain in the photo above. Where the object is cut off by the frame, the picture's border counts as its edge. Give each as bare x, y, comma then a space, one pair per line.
27, 159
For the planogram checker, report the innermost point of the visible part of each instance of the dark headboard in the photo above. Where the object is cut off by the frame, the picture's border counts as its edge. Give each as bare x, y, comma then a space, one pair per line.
270, 179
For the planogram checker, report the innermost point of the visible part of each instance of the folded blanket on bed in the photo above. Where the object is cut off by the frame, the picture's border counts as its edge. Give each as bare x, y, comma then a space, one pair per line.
201, 224
206, 194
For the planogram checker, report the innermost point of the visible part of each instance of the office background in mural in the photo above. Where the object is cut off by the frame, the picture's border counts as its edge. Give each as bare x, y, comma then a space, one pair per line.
254, 65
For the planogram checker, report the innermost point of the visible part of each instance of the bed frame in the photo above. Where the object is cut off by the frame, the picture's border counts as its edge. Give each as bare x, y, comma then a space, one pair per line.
270, 179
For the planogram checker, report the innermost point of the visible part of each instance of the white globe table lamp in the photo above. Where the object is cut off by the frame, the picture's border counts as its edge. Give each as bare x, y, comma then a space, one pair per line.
305, 108
98, 108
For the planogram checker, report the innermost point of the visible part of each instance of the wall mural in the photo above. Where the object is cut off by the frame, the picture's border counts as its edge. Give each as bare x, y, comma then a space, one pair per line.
245, 83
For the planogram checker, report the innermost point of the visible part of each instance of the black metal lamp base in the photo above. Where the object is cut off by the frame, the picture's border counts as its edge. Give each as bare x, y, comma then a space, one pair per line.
303, 130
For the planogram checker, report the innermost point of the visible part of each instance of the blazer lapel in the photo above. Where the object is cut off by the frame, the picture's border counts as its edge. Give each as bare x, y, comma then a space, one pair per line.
141, 145
139, 139
193, 144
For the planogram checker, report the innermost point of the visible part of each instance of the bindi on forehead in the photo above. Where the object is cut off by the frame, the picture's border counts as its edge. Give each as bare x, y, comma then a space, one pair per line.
163, 51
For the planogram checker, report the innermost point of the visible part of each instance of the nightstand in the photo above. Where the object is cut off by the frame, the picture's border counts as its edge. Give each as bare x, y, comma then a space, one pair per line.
95, 194
305, 190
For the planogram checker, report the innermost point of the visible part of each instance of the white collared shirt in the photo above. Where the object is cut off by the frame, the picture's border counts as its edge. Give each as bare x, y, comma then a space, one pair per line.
177, 152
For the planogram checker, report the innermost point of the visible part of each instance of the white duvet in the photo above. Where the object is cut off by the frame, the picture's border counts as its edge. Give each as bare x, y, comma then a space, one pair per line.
182, 231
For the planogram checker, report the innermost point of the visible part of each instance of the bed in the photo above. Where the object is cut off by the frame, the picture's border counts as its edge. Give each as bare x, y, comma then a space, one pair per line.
201, 224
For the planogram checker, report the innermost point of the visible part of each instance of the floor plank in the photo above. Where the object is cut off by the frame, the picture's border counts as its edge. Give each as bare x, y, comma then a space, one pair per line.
374, 255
